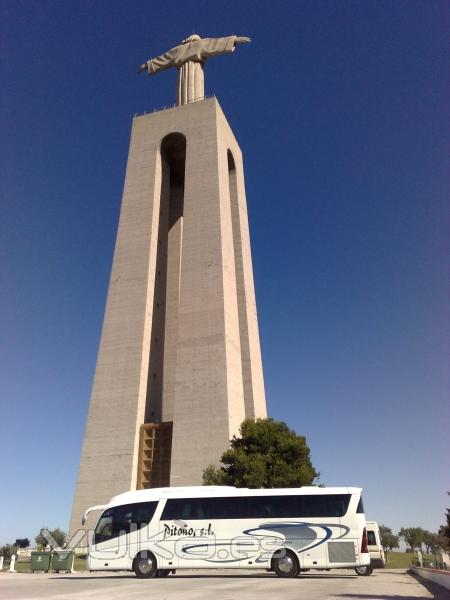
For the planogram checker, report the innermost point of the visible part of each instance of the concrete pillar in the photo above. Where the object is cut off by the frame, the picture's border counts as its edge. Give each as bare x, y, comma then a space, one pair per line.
12, 564
181, 273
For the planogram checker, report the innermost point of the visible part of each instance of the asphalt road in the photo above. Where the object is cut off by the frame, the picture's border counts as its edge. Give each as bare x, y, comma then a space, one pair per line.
220, 585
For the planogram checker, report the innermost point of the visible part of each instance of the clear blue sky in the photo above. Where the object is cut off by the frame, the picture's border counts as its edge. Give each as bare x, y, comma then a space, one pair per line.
342, 112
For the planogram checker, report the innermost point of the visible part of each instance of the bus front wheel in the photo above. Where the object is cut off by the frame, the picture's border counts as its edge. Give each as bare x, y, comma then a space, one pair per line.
285, 564
144, 565
365, 570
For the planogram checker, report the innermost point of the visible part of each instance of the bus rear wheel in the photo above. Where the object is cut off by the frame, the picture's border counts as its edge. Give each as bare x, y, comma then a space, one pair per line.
144, 565
285, 564
365, 570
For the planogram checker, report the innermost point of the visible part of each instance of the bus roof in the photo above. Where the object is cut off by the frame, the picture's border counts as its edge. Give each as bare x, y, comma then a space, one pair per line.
203, 491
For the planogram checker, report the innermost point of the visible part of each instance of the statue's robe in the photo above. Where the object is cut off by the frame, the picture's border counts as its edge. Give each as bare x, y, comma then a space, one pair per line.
189, 59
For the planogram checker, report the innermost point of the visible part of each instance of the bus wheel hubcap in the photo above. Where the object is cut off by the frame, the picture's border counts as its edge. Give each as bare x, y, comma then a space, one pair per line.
286, 564
145, 565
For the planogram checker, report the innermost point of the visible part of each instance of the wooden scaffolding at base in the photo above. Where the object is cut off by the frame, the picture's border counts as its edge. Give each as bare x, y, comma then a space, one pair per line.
155, 449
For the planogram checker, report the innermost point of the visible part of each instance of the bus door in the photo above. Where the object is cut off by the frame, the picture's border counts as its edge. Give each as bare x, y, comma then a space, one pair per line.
167, 540
186, 532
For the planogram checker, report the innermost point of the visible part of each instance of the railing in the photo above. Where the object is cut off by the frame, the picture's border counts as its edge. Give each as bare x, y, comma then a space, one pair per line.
149, 112
430, 564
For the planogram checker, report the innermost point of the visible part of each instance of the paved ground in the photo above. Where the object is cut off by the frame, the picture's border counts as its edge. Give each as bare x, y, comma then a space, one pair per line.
220, 585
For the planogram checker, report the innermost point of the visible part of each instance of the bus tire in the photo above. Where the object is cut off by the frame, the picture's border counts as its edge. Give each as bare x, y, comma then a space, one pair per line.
365, 570
144, 565
163, 572
285, 563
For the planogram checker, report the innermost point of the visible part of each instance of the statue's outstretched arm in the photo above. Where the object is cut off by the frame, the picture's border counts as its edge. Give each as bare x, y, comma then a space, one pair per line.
161, 63
242, 40
208, 47
198, 50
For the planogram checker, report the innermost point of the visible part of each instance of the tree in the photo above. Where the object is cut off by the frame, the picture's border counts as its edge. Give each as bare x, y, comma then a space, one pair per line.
22, 542
40, 539
59, 536
267, 454
7, 551
213, 476
444, 531
55, 537
431, 541
413, 537
389, 541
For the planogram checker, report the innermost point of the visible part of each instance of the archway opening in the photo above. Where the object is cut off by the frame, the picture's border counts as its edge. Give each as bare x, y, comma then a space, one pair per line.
155, 459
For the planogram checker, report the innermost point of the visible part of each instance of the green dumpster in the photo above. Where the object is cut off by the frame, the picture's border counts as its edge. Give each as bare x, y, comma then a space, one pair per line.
40, 561
62, 560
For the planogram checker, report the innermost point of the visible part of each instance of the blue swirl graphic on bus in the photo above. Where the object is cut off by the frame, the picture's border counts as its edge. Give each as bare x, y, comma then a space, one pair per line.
297, 534
303, 536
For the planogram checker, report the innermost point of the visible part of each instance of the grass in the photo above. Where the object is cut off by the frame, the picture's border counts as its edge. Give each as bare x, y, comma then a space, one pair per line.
403, 560
80, 564
25, 567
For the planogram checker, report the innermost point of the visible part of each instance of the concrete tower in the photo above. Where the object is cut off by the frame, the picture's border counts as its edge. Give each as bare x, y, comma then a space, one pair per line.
179, 363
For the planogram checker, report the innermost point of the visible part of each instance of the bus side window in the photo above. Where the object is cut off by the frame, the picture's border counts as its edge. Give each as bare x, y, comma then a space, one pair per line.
341, 506
360, 509
132, 516
200, 512
173, 510
186, 509
122, 519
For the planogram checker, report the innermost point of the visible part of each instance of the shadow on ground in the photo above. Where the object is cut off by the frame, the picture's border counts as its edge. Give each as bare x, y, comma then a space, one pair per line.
204, 576
437, 592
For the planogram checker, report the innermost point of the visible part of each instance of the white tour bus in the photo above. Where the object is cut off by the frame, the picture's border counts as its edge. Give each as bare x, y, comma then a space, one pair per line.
156, 531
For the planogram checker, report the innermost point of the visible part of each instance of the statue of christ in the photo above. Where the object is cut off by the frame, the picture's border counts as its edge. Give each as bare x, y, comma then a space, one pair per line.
189, 58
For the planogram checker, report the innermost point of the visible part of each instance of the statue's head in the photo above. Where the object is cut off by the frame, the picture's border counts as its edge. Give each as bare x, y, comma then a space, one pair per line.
192, 38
